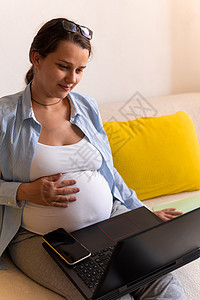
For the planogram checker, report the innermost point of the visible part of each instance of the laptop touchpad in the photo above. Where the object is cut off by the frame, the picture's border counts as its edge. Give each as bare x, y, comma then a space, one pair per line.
119, 228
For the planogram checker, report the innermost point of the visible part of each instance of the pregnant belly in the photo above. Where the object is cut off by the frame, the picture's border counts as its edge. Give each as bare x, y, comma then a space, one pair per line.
93, 204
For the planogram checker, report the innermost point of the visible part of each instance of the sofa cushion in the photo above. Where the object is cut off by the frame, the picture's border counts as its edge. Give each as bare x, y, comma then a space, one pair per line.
156, 155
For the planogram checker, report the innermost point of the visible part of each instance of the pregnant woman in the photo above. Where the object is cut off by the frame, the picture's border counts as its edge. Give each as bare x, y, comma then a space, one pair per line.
55, 161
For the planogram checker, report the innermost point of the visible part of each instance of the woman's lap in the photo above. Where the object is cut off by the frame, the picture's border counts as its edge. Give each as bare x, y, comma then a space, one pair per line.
29, 255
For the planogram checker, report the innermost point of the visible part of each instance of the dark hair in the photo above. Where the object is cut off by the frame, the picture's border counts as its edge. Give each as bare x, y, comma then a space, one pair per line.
47, 39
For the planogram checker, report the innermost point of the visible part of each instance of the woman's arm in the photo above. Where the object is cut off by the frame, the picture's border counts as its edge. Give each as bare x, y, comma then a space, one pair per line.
128, 195
46, 191
130, 198
121, 191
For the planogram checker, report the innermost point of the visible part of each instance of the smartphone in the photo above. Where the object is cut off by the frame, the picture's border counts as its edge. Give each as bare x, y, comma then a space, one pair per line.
66, 246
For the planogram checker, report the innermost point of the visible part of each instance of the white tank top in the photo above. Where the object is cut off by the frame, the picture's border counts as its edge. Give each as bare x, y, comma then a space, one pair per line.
80, 161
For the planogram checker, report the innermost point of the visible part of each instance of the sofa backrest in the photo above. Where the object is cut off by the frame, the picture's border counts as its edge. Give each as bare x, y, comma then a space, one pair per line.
138, 106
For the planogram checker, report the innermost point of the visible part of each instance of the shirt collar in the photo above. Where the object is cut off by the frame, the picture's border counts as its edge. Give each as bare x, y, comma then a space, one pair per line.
27, 110
75, 109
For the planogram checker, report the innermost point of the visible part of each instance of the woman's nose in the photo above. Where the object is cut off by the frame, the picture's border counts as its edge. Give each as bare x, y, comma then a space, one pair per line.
71, 77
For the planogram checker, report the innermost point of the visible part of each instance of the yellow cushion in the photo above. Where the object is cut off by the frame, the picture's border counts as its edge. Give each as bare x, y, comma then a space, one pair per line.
156, 155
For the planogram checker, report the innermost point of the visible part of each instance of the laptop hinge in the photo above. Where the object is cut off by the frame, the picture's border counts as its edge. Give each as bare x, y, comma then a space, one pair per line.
122, 289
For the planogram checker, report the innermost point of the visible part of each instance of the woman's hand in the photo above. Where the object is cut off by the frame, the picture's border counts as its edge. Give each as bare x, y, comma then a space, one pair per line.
167, 214
48, 191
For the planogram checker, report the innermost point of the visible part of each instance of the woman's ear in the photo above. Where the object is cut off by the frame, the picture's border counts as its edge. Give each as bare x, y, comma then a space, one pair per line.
35, 59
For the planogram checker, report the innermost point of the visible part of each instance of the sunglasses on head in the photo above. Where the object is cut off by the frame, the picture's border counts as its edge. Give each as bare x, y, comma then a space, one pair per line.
73, 27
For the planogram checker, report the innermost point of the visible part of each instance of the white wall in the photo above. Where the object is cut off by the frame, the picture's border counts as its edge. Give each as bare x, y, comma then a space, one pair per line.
150, 46
185, 45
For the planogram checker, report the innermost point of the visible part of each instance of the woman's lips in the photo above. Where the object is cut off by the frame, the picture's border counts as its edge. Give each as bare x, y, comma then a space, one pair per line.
65, 88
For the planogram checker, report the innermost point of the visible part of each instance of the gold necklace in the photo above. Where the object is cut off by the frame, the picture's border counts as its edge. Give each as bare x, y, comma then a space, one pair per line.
46, 104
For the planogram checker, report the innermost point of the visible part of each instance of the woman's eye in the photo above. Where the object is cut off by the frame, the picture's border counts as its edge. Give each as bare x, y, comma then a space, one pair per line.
63, 67
79, 71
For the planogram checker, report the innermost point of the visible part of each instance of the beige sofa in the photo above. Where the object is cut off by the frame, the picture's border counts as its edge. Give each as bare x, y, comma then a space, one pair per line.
17, 286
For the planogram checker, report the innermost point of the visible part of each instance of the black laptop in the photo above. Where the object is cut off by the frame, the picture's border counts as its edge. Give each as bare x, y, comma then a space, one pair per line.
131, 250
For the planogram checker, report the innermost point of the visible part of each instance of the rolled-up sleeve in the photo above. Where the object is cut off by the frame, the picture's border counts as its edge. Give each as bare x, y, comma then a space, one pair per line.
8, 192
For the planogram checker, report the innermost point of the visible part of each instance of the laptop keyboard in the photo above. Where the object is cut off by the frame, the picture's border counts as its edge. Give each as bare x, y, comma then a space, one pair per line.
91, 269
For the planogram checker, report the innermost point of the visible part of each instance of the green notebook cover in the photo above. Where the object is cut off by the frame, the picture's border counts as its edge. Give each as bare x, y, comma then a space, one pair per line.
183, 205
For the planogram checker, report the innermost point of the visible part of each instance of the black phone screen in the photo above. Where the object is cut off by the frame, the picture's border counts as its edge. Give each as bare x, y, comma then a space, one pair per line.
66, 246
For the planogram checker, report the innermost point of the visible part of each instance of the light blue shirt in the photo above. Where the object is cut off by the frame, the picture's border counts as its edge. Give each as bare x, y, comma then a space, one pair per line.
19, 134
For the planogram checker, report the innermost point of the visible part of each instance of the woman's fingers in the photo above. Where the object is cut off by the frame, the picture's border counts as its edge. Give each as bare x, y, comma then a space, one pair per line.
168, 213
54, 178
60, 183
62, 202
172, 211
57, 193
66, 191
64, 183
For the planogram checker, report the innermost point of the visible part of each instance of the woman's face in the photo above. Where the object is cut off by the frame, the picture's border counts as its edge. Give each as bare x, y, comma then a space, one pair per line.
60, 71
